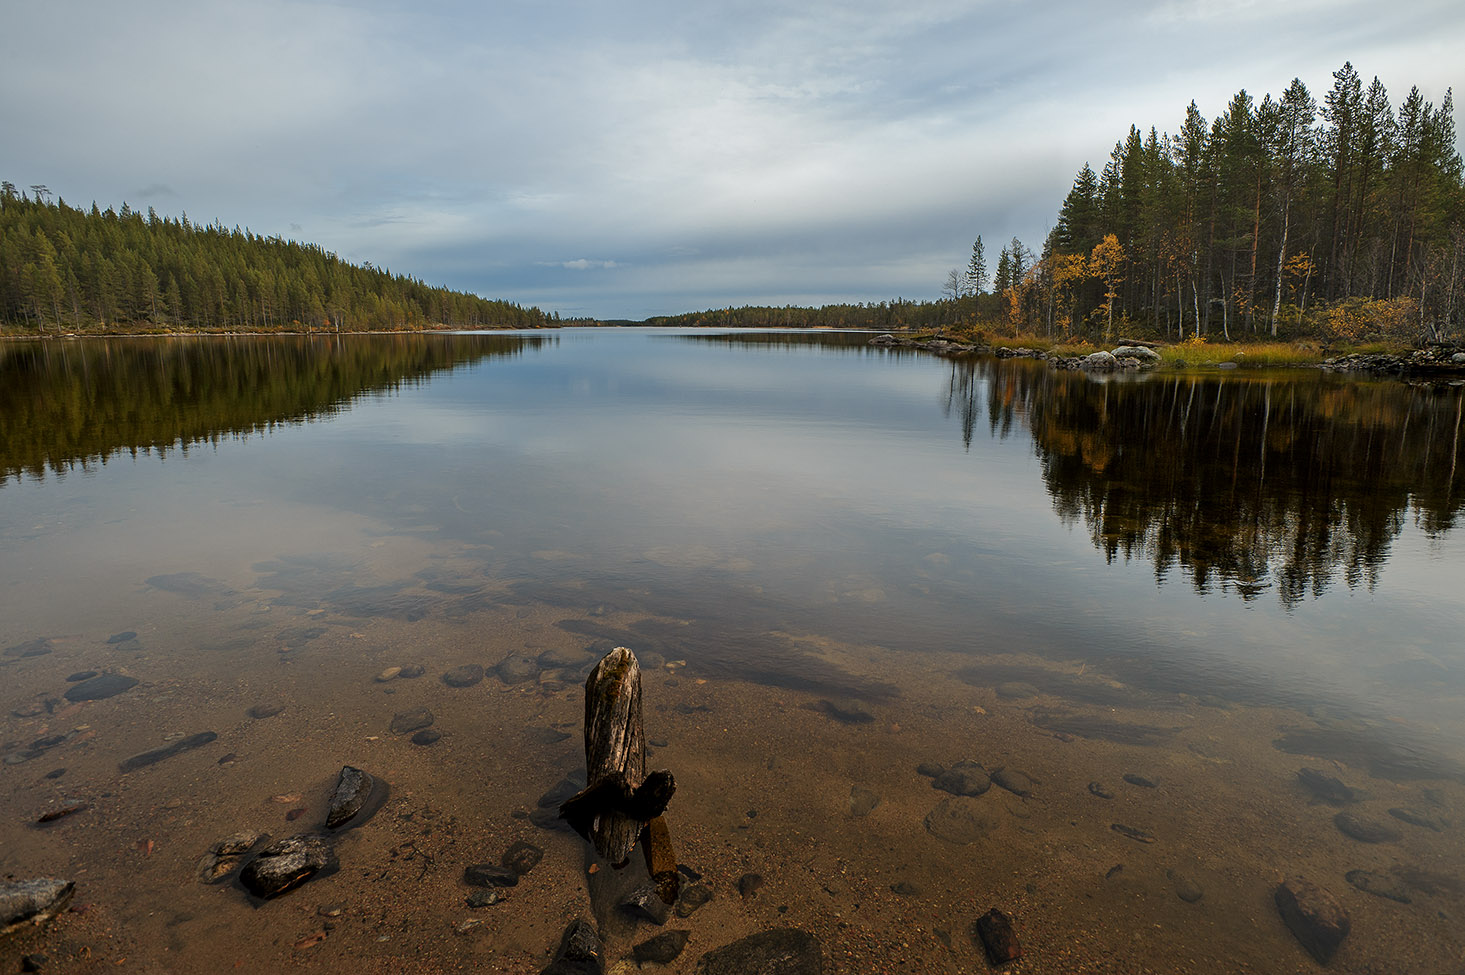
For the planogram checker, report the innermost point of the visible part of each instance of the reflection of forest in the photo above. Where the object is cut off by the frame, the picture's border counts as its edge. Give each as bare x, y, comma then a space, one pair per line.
69, 403
1249, 482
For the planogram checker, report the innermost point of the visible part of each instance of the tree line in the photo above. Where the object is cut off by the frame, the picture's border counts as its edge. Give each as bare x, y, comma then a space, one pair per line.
63, 267
1285, 217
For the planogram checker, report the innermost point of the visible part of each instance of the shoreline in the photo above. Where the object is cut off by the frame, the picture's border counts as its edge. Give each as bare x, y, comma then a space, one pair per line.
1445, 363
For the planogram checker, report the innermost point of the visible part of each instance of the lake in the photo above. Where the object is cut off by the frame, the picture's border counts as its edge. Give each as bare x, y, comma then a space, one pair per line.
1143, 604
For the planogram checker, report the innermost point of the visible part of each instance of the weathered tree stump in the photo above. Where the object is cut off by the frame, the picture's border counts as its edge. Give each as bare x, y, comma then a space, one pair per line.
619, 798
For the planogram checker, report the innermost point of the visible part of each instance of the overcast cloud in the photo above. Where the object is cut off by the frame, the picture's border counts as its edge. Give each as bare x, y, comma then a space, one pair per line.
648, 157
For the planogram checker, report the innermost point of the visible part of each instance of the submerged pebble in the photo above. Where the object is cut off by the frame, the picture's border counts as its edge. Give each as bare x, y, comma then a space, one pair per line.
405, 721
1365, 830
100, 687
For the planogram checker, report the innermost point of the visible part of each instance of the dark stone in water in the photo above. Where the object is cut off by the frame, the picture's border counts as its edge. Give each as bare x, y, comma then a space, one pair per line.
578, 953
1097, 788
81, 675
224, 856
1376, 884
266, 709
993, 931
645, 902
100, 687
427, 736
1103, 729
782, 951
748, 884
413, 720
62, 812
963, 779
411, 671
38, 647
353, 787
489, 875
1185, 887
1016, 690
957, 820
862, 801
29, 903
123, 637
1415, 817
484, 897
905, 889
662, 949
693, 897
930, 769
521, 857
167, 751
1138, 780
1365, 830
517, 668
55, 773
575, 659
1381, 751
1326, 788
286, 864
1138, 835
465, 676
1018, 783
846, 711
1314, 917
562, 790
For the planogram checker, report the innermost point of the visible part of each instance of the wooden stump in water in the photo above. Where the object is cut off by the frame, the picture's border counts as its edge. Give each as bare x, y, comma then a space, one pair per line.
619, 798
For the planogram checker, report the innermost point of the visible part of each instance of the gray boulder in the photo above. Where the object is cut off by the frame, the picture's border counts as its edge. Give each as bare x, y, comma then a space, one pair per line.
1140, 352
1099, 361
33, 902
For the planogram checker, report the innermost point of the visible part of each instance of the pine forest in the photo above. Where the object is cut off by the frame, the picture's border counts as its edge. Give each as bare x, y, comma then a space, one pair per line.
63, 268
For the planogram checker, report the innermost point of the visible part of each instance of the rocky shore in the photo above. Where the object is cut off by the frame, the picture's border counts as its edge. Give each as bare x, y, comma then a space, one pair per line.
1440, 361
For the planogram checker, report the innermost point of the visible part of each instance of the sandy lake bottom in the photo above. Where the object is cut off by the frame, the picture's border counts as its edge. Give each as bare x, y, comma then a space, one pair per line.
818, 796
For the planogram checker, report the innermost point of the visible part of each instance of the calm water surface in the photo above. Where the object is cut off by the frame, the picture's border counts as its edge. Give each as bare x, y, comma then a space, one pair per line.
836, 562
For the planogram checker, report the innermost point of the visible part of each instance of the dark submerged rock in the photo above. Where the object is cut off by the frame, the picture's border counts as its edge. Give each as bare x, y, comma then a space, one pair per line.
126, 636
225, 856
1134, 833
693, 897
1016, 690
1185, 887
413, 720
1377, 884
100, 687
167, 751
38, 647
1365, 830
748, 884
266, 709
483, 897
353, 787
846, 711
517, 668
782, 951
1326, 788
993, 931
662, 949
412, 671
489, 875
862, 801
578, 953
645, 902
963, 779
1097, 789
80, 675
521, 857
930, 769
32, 902
286, 864
1138, 780
465, 676
427, 736
1314, 917
1416, 817
1018, 783
957, 820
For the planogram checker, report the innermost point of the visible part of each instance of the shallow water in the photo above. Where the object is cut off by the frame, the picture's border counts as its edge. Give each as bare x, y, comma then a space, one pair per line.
837, 563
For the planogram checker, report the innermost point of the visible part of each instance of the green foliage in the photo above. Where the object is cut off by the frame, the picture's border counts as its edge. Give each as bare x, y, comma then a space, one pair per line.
67, 269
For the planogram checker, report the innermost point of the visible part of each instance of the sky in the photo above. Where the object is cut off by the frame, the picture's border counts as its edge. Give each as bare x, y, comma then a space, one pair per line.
648, 157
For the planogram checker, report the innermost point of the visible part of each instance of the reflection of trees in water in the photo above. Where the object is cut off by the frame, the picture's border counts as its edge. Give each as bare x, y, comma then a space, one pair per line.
1249, 483
69, 403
